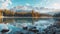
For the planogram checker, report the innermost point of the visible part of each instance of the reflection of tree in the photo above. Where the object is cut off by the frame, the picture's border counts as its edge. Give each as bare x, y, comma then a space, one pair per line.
8, 20
20, 20
1, 20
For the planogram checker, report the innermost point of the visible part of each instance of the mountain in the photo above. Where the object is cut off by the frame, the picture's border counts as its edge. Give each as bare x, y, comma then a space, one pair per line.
22, 8
36, 9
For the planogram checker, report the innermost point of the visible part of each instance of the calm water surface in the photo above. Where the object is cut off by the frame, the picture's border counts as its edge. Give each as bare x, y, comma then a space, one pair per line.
16, 24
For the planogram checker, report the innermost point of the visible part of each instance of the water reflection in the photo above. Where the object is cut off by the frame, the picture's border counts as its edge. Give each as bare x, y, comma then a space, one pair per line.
18, 23
40, 23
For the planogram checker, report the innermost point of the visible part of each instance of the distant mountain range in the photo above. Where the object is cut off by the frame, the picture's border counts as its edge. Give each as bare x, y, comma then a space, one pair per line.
22, 8
36, 9
29, 11
29, 8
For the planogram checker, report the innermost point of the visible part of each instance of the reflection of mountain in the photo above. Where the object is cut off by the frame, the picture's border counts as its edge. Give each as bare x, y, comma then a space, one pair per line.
19, 20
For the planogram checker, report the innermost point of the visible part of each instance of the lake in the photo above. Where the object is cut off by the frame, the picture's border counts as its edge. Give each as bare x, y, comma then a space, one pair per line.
17, 24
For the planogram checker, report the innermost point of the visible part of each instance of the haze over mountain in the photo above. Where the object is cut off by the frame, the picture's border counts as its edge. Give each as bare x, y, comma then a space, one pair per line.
36, 9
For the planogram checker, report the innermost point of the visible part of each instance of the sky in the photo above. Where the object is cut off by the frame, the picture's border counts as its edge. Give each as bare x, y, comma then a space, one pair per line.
35, 3
13, 3
52, 4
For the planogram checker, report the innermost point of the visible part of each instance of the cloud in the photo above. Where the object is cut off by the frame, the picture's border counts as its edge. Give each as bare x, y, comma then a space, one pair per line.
5, 4
26, 8
27, 4
56, 5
